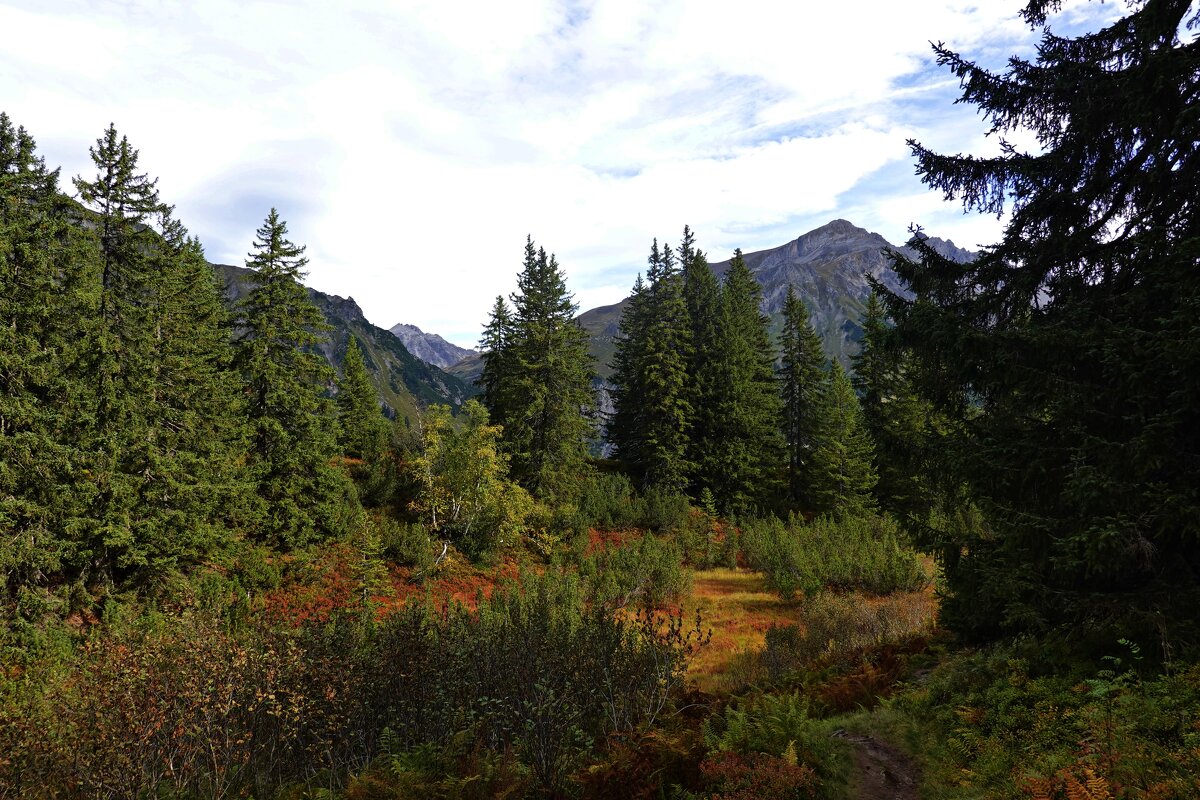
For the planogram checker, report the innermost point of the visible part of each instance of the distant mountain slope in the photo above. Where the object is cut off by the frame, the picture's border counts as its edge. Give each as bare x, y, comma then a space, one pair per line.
469, 369
403, 381
429, 347
827, 266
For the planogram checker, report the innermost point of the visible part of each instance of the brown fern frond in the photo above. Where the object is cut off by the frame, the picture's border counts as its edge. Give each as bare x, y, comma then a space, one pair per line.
1097, 785
1039, 788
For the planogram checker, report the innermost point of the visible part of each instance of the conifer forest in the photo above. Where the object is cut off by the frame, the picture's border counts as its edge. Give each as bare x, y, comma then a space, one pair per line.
717, 560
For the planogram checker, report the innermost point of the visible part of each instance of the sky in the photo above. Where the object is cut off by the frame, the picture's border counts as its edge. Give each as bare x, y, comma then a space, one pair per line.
412, 146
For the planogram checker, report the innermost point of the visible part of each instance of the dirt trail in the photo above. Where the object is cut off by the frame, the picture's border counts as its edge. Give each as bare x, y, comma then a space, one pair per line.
881, 772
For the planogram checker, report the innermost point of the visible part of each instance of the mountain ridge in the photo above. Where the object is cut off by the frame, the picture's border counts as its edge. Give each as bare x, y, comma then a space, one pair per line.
828, 266
403, 382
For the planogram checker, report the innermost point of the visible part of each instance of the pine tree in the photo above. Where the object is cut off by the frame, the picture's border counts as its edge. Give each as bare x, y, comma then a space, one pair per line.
1064, 356
46, 301
746, 449
363, 430
842, 472
547, 385
804, 386
301, 496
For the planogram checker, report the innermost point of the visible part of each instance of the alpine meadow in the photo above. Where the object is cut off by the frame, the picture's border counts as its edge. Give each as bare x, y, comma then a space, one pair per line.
835, 519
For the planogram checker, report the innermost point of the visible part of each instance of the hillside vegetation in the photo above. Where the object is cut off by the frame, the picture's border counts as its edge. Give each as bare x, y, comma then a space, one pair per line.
964, 564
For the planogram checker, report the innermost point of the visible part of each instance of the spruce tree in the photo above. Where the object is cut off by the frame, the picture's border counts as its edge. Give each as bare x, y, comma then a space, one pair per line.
872, 370
1065, 356
191, 482
896, 419
665, 381
804, 386
746, 449
498, 353
702, 294
300, 495
165, 435
547, 386
842, 474
125, 204
652, 411
47, 299
625, 425
363, 430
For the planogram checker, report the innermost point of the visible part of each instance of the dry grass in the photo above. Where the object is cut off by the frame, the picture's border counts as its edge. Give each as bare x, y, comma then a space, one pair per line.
739, 608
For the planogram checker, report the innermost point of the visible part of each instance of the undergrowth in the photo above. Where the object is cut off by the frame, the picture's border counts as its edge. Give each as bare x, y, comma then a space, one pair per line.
987, 725
864, 553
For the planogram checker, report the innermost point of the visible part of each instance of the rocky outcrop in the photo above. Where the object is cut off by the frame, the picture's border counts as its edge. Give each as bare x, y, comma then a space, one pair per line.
429, 347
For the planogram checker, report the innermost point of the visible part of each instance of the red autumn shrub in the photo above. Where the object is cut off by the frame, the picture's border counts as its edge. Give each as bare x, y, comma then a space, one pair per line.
757, 777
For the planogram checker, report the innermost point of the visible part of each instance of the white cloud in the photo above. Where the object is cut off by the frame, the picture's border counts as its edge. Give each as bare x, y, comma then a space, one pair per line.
413, 145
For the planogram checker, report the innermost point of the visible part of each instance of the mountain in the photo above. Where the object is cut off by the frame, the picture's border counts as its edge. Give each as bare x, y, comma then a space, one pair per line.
469, 369
429, 347
827, 266
403, 381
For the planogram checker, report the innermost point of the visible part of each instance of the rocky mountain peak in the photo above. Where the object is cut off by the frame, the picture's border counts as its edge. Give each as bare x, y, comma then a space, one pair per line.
837, 227
429, 347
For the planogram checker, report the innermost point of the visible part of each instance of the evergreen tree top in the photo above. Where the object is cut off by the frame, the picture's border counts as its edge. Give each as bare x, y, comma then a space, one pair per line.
18, 157
1104, 184
495, 333
273, 252
119, 192
740, 284
653, 262
542, 287
687, 248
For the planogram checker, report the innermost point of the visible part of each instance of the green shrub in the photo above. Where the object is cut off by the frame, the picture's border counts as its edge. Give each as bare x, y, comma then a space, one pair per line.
257, 567
569, 523
647, 570
608, 501
773, 548
989, 722
662, 510
847, 553
185, 707
406, 544
707, 544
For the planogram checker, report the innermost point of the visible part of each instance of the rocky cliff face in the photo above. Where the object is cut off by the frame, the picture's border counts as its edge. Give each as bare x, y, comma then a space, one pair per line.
404, 382
828, 268
429, 347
